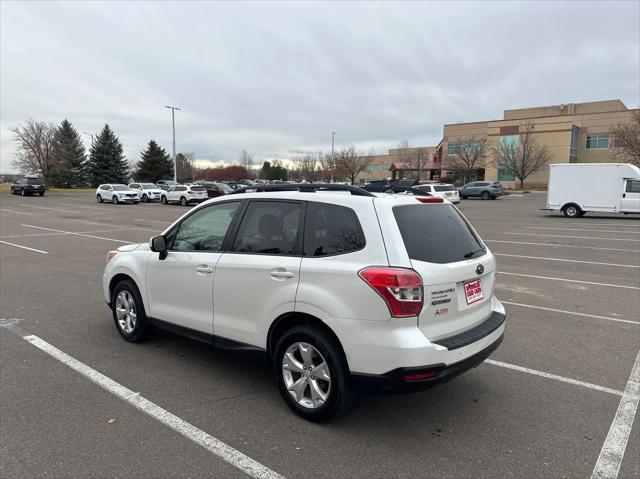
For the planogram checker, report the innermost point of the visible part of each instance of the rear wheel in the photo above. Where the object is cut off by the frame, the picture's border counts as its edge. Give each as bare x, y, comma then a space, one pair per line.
312, 373
99, 198
572, 211
485, 195
115, 200
145, 199
128, 312
183, 201
163, 199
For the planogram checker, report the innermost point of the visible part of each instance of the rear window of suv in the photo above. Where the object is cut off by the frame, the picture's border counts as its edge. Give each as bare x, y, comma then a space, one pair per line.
436, 233
444, 188
331, 230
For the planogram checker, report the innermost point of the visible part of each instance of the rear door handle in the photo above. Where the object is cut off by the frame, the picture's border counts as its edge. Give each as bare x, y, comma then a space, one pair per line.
204, 269
282, 274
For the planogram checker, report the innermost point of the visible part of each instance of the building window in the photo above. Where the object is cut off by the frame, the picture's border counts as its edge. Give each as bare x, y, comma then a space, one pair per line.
600, 142
386, 166
453, 149
504, 175
509, 140
456, 148
575, 144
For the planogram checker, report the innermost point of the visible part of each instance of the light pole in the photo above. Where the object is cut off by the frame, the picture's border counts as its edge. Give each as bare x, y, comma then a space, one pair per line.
173, 125
333, 158
91, 135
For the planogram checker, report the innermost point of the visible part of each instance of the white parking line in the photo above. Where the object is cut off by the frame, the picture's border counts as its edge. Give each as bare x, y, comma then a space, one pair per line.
563, 379
74, 233
16, 212
613, 449
574, 237
46, 208
198, 436
561, 245
570, 280
566, 260
573, 313
580, 229
24, 247
167, 223
77, 234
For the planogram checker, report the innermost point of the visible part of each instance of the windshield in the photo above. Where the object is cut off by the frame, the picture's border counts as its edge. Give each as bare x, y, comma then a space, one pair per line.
437, 233
35, 181
148, 186
223, 186
120, 187
443, 188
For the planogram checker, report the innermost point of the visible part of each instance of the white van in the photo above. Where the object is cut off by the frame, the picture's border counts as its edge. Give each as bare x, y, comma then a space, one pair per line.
579, 188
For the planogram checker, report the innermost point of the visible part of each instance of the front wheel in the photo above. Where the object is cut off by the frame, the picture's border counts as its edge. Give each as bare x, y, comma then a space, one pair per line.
163, 200
99, 198
183, 201
145, 199
312, 374
128, 312
41, 193
485, 195
115, 200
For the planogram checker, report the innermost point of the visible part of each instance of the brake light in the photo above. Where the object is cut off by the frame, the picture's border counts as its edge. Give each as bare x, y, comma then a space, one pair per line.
189, 192
400, 288
430, 199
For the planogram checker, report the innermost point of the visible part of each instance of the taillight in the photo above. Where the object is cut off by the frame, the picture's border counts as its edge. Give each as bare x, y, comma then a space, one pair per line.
429, 199
400, 288
189, 192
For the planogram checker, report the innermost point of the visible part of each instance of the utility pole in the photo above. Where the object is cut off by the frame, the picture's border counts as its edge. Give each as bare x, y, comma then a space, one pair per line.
173, 124
333, 158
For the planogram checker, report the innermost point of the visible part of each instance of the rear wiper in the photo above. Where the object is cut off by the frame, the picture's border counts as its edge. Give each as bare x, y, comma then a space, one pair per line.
470, 254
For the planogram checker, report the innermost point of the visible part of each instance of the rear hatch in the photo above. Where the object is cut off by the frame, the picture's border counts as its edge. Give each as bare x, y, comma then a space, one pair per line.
446, 191
458, 271
199, 191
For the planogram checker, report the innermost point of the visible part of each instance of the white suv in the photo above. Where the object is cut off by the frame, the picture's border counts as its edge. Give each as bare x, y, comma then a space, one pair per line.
439, 190
341, 290
184, 194
148, 191
116, 193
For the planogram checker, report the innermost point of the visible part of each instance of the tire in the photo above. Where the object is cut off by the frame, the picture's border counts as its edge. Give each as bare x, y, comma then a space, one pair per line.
582, 213
494, 197
41, 194
145, 199
183, 201
163, 199
99, 198
485, 195
22, 192
339, 394
115, 200
572, 211
463, 197
125, 299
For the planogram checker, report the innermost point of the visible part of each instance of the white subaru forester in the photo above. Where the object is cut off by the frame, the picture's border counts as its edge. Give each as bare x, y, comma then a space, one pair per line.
342, 289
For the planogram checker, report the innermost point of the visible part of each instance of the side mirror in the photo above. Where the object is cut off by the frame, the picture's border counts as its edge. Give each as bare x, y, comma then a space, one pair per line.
159, 245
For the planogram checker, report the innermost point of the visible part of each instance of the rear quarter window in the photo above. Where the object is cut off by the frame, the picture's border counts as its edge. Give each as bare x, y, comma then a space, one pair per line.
331, 230
436, 233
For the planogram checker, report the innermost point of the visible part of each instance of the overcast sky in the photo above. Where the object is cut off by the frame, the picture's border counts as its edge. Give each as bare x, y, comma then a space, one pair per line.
277, 78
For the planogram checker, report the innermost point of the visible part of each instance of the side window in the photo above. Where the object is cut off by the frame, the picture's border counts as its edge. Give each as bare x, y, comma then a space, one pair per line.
633, 186
331, 230
108, 187
204, 230
269, 227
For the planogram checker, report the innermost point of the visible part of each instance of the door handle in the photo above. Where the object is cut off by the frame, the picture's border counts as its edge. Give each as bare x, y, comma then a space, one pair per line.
282, 274
204, 269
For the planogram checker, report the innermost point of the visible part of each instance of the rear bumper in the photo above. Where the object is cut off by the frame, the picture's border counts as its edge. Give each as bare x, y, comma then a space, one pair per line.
404, 380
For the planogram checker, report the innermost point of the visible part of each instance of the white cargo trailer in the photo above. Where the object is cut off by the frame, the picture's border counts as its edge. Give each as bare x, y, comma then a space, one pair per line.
579, 188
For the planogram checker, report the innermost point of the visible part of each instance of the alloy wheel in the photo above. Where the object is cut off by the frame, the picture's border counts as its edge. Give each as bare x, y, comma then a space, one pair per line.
306, 375
126, 312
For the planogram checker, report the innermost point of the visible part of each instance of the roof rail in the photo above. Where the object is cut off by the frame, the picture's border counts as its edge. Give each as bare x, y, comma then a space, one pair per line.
303, 187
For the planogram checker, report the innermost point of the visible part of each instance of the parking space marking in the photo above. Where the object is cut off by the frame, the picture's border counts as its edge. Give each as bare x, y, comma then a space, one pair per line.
612, 452
154, 221
566, 260
74, 233
561, 245
198, 436
24, 247
16, 212
78, 234
562, 379
47, 208
543, 308
573, 237
570, 280
581, 229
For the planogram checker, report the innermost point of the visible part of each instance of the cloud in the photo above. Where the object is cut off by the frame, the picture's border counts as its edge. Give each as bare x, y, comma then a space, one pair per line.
277, 78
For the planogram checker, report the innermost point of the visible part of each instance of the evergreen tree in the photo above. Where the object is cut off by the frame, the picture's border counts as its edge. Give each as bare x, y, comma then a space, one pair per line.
154, 164
107, 163
69, 157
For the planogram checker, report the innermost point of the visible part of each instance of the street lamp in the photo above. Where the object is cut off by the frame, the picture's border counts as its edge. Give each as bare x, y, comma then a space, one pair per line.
333, 158
173, 124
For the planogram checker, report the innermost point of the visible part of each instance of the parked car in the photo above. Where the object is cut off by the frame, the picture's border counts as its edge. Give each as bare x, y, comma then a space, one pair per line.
168, 183
28, 185
481, 189
374, 296
184, 194
148, 191
213, 189
117, 193
617, 188
226, 189
396, 186
440, 190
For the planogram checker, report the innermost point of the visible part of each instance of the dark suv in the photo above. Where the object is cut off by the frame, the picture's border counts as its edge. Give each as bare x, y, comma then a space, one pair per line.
28, 185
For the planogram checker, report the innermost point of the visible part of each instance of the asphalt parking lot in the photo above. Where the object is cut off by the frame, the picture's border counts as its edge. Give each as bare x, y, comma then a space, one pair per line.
557, 399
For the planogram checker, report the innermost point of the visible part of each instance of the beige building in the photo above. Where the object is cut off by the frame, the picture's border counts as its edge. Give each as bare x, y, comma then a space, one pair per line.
394, 165
574, 133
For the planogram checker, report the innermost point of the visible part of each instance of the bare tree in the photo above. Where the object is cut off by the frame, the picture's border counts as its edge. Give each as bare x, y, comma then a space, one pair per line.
350, 162
413, 158
34, 153
626, 140
246, 160
469, 155
325, 165
305, 167
524, 157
